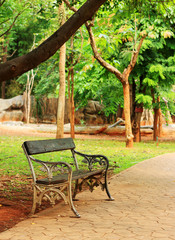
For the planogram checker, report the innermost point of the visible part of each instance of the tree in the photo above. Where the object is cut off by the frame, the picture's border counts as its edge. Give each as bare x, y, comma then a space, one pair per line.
17, 35
123, 77
29, 85
22, 64
72, 61
70, 79
144, 17
9, 16
61, 98
155, 69
4, 59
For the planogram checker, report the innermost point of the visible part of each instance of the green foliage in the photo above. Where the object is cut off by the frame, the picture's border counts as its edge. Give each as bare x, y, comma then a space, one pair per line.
14, 89
167, 100
171, 101
118, 27
48, 78
35, 18
145, 99
147, 44
158, 70
150, 82
95, 82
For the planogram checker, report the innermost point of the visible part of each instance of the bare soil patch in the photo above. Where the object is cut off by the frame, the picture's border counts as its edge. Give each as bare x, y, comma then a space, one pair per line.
16, 202
14, 205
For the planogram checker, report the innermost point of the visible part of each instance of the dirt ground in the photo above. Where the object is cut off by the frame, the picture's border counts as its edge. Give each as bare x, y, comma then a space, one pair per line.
15, 205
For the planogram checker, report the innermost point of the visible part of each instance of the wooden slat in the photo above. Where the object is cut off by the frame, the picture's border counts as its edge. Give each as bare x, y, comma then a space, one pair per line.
50, 145
61, 178
82, 174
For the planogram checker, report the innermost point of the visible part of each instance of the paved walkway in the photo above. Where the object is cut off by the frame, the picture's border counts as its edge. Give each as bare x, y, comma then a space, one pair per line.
144, 208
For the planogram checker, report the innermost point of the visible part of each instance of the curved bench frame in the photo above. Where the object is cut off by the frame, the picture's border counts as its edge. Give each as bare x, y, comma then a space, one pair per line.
60, 175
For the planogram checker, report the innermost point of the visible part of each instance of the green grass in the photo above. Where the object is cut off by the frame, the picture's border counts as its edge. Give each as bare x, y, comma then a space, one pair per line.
13, 161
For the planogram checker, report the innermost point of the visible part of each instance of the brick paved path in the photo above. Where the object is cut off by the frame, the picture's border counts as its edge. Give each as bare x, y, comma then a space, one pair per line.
144, 208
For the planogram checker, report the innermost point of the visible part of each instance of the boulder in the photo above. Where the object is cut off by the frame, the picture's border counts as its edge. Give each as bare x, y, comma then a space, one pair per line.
12, 103
79, 116
90, 108
93, 113
11, 109
93, 107
93, 119
15, 115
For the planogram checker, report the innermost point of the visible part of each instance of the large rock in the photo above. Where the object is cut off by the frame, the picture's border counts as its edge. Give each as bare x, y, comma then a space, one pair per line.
79, 116
16, 115
93, 119
93, 107
93, 113
11, 109
12, 103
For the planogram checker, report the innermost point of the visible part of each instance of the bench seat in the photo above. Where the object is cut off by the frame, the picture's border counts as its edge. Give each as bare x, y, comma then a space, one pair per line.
61, 178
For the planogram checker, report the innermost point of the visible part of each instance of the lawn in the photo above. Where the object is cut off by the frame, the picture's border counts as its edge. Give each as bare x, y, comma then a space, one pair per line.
14, 163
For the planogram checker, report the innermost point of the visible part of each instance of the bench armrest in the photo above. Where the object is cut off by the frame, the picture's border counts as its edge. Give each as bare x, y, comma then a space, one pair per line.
50, 167
94, 161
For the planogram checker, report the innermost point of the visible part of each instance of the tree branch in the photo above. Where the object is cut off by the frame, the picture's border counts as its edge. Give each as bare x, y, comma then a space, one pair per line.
13, 22
82, 41
97, 56
136, 53
11, 25
22, 64
134, 57
1, 3
69, 6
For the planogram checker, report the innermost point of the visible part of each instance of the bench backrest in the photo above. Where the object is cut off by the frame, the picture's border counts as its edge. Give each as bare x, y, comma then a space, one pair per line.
50, 145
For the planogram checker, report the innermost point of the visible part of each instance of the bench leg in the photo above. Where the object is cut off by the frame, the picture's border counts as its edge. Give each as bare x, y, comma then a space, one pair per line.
106, 188
34, 200
75, 191
40, 192
71, 202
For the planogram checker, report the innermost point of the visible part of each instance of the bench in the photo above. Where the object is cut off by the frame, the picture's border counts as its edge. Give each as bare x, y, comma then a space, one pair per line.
53, 180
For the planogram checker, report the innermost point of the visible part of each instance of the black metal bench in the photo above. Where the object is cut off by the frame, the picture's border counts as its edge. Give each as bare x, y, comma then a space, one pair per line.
62, 179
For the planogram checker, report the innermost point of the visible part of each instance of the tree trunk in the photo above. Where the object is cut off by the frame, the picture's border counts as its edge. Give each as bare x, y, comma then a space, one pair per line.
71, 102
72, 117
3, 90
119, 112
28, 98
160, 129
4, 59
29, 87
136, 114
71, 91
156, 118
61, 98
136, 124
128, 129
